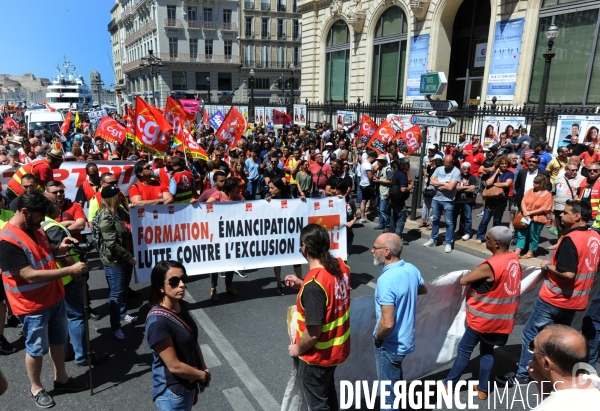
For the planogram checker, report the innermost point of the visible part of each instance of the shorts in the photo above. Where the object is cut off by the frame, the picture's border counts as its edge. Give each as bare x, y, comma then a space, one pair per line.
45, 328
367, 193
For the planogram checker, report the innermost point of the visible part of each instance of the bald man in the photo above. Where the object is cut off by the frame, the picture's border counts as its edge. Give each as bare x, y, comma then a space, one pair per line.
559, 352
395, 308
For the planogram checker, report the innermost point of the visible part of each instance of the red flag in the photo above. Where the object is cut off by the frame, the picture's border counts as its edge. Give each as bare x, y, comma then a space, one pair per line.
110, 130
205, 117
411, 139
367, 128
176, 117
279, 117
151, 128
11, 124
48, 106
381, 136
190, 145
232, 127
64, 129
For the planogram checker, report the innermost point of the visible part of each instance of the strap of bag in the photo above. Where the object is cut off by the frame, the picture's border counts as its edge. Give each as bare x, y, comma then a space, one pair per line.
569, 185
169, 315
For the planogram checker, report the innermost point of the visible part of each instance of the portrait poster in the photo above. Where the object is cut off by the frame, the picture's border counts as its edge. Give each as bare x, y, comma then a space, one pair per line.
492, 126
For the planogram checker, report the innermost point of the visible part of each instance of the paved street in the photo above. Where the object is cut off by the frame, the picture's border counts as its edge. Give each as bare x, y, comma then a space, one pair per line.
243, 338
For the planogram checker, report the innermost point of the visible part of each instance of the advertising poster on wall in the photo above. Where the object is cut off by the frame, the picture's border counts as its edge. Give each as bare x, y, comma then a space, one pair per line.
259, 113
345, 118
480, 53
492, 126
299, 114
505, 59
417, 64
433, 135
585, 127
243, 110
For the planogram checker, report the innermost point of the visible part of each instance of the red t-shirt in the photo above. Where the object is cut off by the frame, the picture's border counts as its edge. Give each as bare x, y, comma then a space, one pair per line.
320, 175
476, 160
589, 159
71, 211
43, 173
152, 191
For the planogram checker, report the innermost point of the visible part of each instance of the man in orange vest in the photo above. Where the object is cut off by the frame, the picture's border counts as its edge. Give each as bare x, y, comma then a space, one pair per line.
36, 294
395, 308
323, 330
89, 187
567, 282
41, 169
182, 186
589, 189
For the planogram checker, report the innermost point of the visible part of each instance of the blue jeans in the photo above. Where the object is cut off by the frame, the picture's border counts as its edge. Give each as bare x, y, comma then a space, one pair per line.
487, 216
45, 328
118, 279
541, 315
448, 207
467, 343
398, 220
168, 401
384, 219
251, 187
591, 327
389, 368
75, 318
465, 211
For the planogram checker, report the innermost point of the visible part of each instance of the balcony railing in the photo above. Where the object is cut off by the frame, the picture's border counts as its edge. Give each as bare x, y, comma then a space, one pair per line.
297, 9
268, 64
126, 13
281, 36
173, 23
265, 6
141, 32
249, 5
194, 24
138, 3
228, 27
296, 37
208, 25
131, 65
199, 58
248, 34
111, 24
265, 36
281, 7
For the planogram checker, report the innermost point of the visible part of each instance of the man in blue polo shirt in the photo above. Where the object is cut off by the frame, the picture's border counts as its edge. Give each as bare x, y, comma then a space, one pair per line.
395, 307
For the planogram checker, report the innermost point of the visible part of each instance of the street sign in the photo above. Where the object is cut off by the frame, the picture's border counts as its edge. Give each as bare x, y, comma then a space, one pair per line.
436, 105
430, 121
433, 83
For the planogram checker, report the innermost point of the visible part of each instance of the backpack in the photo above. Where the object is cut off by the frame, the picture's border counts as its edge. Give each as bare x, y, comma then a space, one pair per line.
96, 234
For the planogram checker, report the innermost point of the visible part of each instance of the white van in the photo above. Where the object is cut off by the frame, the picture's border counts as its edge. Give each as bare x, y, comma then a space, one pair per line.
39, 119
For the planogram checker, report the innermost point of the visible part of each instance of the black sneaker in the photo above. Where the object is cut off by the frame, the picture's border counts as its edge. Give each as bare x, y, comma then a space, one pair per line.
42, 399
96, 359
70, 385
511, 379
13, 321
6, 347
93, 315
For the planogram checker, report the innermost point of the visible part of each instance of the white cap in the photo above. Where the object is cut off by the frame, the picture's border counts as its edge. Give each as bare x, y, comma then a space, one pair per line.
431, 147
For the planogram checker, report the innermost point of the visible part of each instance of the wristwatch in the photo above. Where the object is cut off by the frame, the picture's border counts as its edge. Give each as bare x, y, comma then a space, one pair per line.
546, 266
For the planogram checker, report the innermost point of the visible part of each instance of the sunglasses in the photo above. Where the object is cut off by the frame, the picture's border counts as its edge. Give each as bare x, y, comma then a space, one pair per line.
57, 192
174, 281
111, 183
531, 348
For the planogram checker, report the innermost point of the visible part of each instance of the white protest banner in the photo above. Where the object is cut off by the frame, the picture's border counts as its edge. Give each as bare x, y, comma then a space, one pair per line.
72, 174
216, 237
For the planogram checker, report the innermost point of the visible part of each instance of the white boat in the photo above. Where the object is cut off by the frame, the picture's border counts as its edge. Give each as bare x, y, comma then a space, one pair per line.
68, 90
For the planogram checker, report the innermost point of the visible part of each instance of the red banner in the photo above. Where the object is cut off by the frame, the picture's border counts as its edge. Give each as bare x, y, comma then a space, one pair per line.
130, 118
409, 141
48, 106
367, 128
279, 117
11, 124
64, 129
151, 128
381, 136
232, 128
110, 130
191, 146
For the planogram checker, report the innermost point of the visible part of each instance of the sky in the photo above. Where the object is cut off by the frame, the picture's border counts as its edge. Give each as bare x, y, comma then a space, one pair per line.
41, 32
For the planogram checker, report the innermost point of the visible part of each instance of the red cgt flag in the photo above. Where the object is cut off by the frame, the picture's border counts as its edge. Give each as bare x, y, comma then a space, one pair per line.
232, 127
381, 136
64, 129
279, 117
367, 128
151, 128
11, 124
411, 139
176, 117
110, 130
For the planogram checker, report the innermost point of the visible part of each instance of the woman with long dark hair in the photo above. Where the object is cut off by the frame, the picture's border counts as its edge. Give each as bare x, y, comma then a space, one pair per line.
178, 367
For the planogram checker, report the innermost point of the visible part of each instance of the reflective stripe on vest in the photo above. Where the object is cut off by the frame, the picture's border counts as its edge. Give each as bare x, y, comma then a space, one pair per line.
26, 287
183, 196
487, 300
572, 293
36, 265
491, 316
15, 182
46, 225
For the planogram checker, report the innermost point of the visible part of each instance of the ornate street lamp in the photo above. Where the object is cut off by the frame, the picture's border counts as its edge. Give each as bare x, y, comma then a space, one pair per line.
151, 61
208, 86
251, 109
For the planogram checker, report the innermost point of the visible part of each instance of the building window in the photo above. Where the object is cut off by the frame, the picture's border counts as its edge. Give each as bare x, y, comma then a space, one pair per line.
224, 82
280, 56
281, 29
249, 55
208, 48
262, 83
264, 28
295, 29
201, 83
573, 77
171, 12
193, 48
248, 26
192, 14
226, 16
281, 5
264, 55
337, 62
208, 16
179, 80
227, 45
296, 56
389, 55
173, 46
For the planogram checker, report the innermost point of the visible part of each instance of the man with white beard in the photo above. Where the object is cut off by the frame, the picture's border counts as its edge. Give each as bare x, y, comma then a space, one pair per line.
396, 308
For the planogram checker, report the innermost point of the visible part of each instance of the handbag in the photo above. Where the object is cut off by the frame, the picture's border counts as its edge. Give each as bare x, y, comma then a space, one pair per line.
429, 192
517, 223
493, 192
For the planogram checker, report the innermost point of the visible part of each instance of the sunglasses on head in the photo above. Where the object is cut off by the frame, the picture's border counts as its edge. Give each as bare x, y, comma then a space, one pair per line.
174, 281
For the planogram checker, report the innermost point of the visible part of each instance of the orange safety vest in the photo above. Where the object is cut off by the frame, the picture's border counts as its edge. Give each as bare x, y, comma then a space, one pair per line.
25, 297
15, 182
495, 311
574, 294
590, 194
333, 345
88, 190
184, 180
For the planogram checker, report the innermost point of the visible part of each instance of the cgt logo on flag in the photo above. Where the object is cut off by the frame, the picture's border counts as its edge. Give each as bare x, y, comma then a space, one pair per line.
141, 213
171, 210
248, 207
283, 203
329, 223
155, 214
317, 206
330, 203
209, 208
